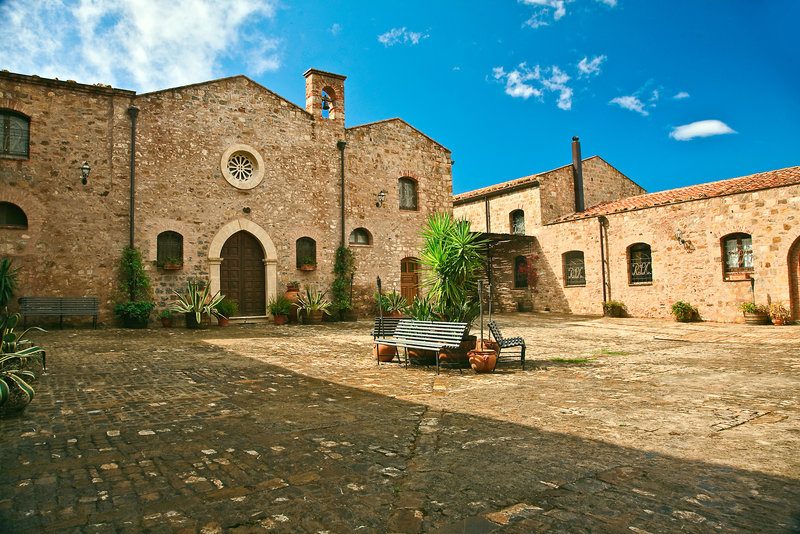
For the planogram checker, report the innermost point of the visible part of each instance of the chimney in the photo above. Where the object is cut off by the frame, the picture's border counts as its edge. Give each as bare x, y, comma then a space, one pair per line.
577, 172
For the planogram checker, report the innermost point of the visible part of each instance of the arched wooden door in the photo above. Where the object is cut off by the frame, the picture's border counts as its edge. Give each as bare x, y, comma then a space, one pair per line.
794, 278
242, 273
409, 278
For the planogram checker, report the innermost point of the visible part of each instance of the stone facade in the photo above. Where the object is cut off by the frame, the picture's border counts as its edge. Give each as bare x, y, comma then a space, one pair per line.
684, 229
185, 138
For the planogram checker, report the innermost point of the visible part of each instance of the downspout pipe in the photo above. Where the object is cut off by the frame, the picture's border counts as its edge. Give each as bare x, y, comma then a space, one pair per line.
577, 171
603, 222
133, 112
341, 146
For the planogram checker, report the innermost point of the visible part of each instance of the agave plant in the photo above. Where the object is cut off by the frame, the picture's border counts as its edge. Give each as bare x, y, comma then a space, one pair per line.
8, 281
13, 353
422, 309
198, 300
392, 302
314, 300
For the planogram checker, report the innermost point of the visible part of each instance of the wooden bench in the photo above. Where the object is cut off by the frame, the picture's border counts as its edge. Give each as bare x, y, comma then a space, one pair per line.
61, 306
506, 343
425, 335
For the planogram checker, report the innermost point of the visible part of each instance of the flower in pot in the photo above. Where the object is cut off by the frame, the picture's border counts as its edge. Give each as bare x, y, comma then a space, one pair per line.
754, 314
313, 304
134, 314
197, 302
166, 318
226, 309
280, 307
684, 312
613, 308
307, 263
779, 314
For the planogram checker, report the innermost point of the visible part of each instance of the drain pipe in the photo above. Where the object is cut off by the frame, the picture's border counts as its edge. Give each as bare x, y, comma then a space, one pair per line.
341, 145
133, 112
603, 222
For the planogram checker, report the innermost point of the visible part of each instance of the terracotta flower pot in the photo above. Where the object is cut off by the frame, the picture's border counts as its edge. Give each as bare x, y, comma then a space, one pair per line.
487, 344
166, 322
778, 321
307, 267
292, 294
386, 353
482, 361
280, 319
421, 357
223, 321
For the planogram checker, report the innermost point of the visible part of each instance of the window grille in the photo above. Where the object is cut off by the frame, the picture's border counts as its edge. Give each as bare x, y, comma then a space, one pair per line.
12, 216
518, 222
641, 264
408, 194
305, 247
574, 269
169, 248
14, 134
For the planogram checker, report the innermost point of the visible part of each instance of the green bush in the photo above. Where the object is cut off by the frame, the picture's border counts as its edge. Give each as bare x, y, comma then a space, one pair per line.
136, 311
227, 308
280, 305
683, 311
752, 307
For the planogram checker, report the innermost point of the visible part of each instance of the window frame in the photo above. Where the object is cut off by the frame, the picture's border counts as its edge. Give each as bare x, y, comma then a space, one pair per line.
13, 209
742, 272
511, 221
363, 230
305, 241
647, 277
5, 134
569, 257
168, 250
415, 185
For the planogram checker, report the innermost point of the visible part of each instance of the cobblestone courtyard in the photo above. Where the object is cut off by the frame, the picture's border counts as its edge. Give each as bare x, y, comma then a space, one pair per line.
622, 425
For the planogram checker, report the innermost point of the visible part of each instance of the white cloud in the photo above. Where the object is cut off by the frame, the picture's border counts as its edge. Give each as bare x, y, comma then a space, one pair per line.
138, 44
558, 82
700, 129
609, 3
654, 96
543, 9
336, 29
525, 82
588, 68
681, 95
630, 102
401, 35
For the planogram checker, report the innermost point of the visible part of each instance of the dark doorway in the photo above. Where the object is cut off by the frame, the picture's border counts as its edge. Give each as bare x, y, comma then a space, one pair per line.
242, 273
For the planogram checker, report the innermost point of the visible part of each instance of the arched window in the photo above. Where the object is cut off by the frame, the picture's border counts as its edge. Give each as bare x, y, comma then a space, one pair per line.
640, 264
520, 272
169, 249
517, 219
14, 133
305, 252
12, 216
574, 268
737, 255
408, 193
360, 236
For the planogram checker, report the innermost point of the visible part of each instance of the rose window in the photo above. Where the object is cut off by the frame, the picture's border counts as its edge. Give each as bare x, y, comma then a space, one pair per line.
240, 167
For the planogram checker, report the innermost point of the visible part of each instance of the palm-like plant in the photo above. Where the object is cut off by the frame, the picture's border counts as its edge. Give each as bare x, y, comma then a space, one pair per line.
454, 259
198, 300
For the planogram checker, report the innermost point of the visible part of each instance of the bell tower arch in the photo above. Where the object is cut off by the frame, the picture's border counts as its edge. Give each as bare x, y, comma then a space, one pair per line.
325, 94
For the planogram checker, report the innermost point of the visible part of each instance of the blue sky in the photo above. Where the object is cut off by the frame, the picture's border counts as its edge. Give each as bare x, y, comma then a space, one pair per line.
670, 92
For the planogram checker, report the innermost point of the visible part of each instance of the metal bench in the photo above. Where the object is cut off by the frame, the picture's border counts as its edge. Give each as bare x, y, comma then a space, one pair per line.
425, 335
505, 343
61, 306
385, 326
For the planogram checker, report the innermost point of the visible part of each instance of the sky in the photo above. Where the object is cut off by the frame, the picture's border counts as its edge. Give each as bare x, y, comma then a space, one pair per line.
671, 93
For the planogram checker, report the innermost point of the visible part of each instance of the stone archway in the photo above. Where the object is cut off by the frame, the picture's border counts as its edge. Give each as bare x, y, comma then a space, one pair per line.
270, 254
794, 278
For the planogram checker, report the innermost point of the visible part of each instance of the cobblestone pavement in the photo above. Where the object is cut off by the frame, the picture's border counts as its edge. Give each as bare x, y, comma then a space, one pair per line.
622, 425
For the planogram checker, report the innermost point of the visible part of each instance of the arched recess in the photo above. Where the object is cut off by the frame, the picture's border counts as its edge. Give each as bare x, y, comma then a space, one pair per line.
794, 278
270, 254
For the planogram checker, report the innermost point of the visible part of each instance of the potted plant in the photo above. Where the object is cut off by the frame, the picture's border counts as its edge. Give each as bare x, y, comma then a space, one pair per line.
754, 314
421, 310
196, 303
170, 264
779, 314
226, 309
313, 305
166, 318
16, 391
280, 307
393, 304
8, 282
135, 286
307, 263
292, 293
684, 312
613, 308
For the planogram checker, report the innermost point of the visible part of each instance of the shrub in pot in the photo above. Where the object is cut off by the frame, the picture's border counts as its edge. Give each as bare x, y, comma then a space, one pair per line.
226, 309
779, 314
166, 318
16, 353
613, 308
754, 314
684, 312
280, 307
313, 305
134, 314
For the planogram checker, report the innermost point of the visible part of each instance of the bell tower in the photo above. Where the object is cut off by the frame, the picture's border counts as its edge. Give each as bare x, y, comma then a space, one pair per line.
325, 94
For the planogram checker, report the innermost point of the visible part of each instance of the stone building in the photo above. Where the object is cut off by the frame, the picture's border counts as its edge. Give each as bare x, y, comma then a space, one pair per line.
223, 181
591, 235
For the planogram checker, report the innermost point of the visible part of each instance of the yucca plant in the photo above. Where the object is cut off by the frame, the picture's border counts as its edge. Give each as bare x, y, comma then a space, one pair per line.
198, 300
314, 300
13, 354
8, 281
392, 302
422, 309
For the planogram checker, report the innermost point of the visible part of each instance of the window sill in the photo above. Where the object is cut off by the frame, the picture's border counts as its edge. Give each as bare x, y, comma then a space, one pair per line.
574, 285
360, 245
737, 277
18, 157
635, 284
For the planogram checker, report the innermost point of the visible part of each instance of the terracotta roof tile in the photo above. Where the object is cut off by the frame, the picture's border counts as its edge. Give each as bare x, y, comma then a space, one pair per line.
743, 184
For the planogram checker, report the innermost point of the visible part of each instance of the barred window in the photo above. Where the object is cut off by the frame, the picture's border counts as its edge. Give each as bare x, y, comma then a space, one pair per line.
520, 272
12, 216
737, 253
640, 266
305, 251
169, 248
360, 236
408, 194
574, 268
14, 133
518, 222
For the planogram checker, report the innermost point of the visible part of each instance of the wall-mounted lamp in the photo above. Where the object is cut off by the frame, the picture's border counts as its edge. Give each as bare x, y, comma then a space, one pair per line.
85, 172
246, 209
381, 198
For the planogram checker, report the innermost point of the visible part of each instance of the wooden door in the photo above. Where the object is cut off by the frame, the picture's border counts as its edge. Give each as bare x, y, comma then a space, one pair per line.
409, 279
794, 279
242, 273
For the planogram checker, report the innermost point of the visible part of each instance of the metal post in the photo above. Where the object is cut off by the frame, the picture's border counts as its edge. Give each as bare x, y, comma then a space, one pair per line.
480, 305
380, 301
